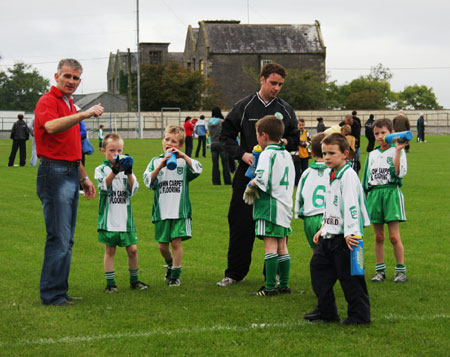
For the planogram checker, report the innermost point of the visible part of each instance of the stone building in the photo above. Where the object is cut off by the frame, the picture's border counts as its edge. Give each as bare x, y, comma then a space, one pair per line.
229, 53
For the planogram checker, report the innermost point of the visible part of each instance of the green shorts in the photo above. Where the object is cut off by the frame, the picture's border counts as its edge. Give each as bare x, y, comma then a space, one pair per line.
121, 239
169, 229
265, 228
386, 204
312, 225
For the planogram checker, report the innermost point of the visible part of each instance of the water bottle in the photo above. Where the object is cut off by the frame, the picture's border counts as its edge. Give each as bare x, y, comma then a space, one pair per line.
357, 258
171, 162
251, 169
401, 137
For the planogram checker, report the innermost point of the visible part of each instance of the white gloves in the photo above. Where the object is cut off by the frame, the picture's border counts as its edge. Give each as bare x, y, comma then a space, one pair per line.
249, 195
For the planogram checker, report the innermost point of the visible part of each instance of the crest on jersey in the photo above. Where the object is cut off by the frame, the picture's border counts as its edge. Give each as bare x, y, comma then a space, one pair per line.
353, 212
390, 161
279, 115
335, 201
179, 170
259, 173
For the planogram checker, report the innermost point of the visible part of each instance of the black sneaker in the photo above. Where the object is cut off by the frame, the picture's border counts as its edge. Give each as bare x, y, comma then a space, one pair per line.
168, 272
316, 316
264, 292
284, 290
174, 282
349, 322
139, 285
111, 289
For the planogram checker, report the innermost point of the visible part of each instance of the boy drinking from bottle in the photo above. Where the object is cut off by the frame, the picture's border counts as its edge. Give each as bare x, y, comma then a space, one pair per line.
343, 221
117, 184
172, 213
384, 170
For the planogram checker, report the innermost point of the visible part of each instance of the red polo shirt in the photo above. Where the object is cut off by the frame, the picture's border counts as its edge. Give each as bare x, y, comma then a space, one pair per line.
188, 128
60, 146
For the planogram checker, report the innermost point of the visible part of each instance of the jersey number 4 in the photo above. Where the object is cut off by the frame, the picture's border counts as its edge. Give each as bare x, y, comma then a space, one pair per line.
285, 179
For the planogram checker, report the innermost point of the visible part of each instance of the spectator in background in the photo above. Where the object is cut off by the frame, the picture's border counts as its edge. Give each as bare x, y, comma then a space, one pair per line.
19, 135
401, 123
218, 149
354, 122
200, 129
189, 131
369, 133
302, 155
33, 158
320, 125
421, 128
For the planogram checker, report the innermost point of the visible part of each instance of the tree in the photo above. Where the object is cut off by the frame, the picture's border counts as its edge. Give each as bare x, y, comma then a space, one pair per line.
21, 87
173, 86
418, 97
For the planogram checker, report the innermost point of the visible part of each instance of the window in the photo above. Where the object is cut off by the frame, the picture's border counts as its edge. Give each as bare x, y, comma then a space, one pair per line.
202, 66
264, 62
155, 57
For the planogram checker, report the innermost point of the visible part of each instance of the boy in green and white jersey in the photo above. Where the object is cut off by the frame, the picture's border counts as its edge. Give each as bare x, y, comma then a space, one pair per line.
310, 197
384, 170
271, 192
115, 217
172, 211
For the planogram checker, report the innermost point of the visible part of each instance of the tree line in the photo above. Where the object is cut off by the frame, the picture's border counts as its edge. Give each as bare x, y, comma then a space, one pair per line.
174, 86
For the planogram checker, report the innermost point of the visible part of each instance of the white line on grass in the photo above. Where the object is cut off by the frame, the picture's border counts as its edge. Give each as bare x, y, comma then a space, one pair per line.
136, 334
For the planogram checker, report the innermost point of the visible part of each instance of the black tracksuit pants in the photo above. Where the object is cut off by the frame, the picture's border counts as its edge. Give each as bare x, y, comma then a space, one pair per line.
242, 228
331, 261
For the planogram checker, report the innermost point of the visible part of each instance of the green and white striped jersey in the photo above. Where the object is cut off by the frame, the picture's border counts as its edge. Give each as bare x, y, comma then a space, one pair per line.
310, 197
275, 178
345, 205
114, 212
171, 198
379, 168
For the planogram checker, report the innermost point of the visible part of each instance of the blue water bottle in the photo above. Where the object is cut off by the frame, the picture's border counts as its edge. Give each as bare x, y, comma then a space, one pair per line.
250, 173
401, 137
171, 162
357, 258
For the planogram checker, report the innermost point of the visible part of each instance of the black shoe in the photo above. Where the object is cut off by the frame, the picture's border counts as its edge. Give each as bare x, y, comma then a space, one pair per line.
349, 321
66, 303
315, 315
264, 292
138, 285
284, 290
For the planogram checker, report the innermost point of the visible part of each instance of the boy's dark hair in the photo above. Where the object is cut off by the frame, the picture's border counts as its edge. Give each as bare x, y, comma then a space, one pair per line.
300, 120
202, 117
379, 123
337, 139
272, 126
20, 117
101, 126
270, 68
109, 138
187, 118
316, 144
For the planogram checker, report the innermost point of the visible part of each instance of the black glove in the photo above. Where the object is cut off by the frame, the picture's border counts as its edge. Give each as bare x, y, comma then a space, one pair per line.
116, 168
129, 170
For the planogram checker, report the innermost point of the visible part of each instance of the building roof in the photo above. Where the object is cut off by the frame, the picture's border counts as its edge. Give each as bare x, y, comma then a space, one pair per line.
240, 38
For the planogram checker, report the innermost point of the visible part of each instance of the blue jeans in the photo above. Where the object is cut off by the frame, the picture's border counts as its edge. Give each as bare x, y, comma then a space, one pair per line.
58, 190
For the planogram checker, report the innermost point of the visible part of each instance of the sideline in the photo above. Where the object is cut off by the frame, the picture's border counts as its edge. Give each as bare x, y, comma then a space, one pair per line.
138, 334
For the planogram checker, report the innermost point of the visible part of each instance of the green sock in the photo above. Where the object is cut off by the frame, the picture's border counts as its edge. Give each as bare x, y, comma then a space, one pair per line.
109, 275
133, 275
400, 268
175, 272
380, 268
271, 263
284, 265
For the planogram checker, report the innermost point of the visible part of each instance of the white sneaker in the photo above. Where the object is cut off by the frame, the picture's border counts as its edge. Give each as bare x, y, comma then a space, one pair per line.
227, 281
400, 277
379, 277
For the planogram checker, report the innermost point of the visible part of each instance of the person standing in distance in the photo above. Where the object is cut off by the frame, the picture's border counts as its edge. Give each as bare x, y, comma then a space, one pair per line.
241, 120
60, 172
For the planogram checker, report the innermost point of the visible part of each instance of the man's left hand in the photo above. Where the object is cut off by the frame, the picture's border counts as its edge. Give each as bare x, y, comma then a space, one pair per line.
89, 189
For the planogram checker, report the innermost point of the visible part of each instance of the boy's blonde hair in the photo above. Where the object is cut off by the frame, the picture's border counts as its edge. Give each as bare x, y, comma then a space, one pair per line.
272, 126
110, 138
176, 130
346, 129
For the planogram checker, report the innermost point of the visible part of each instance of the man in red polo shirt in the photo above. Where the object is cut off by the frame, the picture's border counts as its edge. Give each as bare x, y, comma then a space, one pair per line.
58, 145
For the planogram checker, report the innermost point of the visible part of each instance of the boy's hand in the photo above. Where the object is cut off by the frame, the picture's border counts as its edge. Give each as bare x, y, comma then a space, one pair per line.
400, 145
317, 237
122, 163
250, 193
351, 241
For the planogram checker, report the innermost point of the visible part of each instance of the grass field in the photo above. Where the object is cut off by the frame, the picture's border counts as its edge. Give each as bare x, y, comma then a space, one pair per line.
199, 318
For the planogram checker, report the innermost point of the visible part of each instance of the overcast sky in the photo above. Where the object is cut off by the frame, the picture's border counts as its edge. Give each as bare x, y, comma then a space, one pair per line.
409, 37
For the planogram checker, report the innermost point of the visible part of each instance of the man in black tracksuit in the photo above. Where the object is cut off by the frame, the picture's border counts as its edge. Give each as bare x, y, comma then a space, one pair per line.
20, 135
242, 119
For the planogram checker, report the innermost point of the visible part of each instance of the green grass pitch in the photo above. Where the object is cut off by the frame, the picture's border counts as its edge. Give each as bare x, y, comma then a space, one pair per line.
199, 318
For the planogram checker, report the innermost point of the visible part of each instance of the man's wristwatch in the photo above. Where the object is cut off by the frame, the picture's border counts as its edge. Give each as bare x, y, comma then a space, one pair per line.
84, 179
